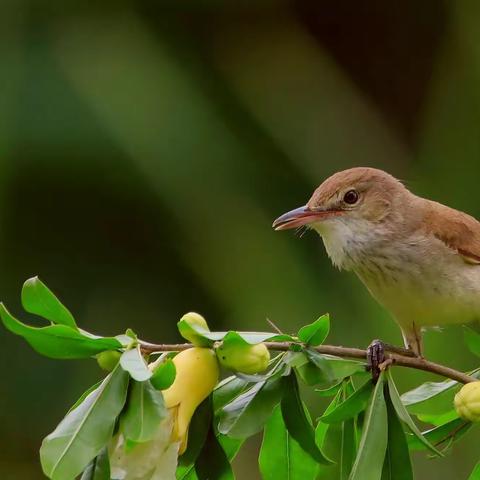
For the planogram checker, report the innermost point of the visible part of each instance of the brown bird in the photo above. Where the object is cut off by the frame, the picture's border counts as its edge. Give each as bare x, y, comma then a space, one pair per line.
418, 258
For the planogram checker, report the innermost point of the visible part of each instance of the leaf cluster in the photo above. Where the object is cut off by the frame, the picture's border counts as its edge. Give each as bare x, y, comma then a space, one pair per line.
366, 432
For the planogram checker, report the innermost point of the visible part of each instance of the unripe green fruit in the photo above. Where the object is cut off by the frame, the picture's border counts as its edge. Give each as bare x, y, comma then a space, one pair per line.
244, 358
467, 402
185, 327
194, 318
108, 360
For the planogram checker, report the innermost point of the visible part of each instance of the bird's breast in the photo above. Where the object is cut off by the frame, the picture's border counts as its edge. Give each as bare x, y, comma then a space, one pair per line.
413, 276
422, 280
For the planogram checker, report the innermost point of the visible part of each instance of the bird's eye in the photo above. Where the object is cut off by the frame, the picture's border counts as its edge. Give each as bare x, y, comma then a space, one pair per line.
351, 197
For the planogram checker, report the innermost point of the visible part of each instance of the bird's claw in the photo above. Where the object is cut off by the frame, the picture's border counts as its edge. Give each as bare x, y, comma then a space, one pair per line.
375, 357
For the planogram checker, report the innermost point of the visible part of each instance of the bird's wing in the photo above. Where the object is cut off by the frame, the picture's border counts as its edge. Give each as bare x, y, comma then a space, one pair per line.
459, 231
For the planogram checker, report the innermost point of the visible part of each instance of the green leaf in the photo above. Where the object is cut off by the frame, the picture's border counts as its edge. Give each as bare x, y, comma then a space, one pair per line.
432, 398
144, 411
131, 334
38, 299
84, 395
295, 359
133, 362
200, 444
231, 446
348, 448
58, 341
322, 428
227, 390
314, 369
440, 419
397, 464
296, 421
98, 468
404, 416
339, 368
443, 435
312, 375
125, 340
246, 414
251, 338
338, 441
212, 463
197, 434
331, 391
281, 457
475, 475
352, 406
373, 443
256, 377
164, 375
194, 332
472, 339
331, 370
83, 433
316, 332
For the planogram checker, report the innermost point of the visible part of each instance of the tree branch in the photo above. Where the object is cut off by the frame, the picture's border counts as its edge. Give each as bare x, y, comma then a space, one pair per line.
401, 360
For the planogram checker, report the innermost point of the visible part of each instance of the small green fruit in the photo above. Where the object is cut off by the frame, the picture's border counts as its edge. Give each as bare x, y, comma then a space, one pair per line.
467, 402
244, 358
108, 360
189, 327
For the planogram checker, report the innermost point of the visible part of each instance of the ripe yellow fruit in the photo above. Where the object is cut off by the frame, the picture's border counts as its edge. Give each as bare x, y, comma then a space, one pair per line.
467, 402
197, 374
189, 320
244, 358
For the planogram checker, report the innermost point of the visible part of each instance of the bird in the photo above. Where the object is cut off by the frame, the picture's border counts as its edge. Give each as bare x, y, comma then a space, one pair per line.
418, 258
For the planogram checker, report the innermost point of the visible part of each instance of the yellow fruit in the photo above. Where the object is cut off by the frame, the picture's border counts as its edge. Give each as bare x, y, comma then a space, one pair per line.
197, 375
467, 402
185, 327
108, 360
244, 358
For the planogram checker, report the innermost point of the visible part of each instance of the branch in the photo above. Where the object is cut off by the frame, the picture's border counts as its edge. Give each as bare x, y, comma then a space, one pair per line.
401, 360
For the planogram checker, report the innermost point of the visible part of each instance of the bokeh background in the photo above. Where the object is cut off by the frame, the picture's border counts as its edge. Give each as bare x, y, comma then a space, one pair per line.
146, 147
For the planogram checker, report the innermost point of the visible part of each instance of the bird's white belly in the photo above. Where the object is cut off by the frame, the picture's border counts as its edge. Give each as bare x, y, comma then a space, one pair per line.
429, 289
418, 279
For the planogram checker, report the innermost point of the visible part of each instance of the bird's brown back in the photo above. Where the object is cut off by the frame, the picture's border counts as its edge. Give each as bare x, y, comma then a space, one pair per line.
456, 229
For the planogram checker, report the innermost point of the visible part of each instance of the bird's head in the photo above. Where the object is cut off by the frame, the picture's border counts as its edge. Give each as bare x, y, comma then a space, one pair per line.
348, 207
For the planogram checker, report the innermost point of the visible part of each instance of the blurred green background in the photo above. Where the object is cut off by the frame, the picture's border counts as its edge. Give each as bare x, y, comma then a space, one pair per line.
146, 147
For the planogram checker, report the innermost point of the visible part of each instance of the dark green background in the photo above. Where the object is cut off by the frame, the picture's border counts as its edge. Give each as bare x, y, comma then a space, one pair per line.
145, 149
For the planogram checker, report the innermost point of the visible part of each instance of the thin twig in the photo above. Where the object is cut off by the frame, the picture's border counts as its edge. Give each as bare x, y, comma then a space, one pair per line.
451, 435
274, 326
398, 359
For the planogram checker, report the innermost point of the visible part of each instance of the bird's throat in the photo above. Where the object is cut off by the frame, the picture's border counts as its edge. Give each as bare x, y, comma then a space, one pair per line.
348, 243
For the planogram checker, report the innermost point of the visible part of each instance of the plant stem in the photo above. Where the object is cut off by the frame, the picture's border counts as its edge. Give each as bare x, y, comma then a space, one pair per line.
401, 360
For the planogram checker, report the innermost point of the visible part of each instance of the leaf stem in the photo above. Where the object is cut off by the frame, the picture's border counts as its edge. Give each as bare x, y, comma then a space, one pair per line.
398, 359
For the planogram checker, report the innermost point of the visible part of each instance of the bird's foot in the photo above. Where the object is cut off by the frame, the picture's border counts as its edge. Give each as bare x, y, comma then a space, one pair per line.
377, 361
375, 358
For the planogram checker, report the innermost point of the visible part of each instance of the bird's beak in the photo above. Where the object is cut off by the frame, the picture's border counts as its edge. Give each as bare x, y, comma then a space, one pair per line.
302, 216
